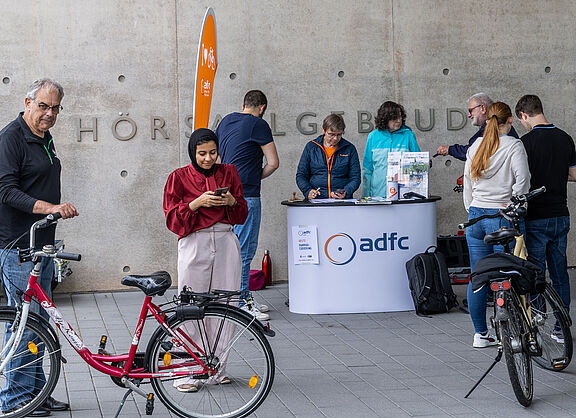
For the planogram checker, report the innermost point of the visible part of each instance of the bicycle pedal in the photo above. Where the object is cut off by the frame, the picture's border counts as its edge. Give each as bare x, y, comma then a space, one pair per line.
150, 404
559, 362
102, 348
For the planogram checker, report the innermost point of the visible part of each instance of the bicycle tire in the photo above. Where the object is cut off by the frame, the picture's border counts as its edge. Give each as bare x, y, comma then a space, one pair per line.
512, 332
249, 362
47, 347
552, 321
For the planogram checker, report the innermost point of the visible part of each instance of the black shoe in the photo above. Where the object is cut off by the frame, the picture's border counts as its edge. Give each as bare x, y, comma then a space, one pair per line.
52, 404
40, 412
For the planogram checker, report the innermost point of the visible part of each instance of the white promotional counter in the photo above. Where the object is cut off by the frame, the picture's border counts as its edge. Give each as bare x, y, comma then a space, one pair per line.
361, 254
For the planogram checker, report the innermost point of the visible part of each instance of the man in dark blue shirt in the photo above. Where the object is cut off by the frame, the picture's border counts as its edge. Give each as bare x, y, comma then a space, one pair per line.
477, 110
244, 139
29, 190
552, 162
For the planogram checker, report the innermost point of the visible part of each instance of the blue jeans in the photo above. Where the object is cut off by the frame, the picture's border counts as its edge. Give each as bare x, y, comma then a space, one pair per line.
546, 241
22, 385
248, 237
478, 249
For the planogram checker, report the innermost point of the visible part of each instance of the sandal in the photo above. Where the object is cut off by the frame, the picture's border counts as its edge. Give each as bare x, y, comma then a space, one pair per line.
188, 388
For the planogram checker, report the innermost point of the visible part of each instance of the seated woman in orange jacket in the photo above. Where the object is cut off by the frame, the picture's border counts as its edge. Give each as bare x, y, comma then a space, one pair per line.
329, 165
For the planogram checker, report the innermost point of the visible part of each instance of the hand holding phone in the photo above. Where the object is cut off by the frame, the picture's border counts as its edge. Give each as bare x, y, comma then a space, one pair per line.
220, 191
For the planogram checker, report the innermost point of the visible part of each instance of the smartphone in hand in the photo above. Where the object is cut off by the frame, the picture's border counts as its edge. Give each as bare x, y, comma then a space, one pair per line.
220, 191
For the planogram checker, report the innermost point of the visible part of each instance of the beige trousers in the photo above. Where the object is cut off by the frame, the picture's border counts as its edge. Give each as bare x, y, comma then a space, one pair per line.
210, 259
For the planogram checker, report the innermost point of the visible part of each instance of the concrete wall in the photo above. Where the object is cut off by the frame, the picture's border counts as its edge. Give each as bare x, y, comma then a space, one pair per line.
135, 59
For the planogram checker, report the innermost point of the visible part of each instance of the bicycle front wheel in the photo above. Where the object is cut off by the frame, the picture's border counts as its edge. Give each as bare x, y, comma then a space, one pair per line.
552, 321
513, 337
238, 350
32, 373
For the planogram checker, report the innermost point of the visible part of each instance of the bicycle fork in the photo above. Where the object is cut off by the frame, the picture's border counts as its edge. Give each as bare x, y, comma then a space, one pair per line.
19, 324
16, 337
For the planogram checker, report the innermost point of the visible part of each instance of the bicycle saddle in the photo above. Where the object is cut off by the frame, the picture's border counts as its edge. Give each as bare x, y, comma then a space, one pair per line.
152, 284
501, 237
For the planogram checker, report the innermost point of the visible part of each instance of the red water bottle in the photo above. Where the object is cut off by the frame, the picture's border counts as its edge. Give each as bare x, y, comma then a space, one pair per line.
267, 268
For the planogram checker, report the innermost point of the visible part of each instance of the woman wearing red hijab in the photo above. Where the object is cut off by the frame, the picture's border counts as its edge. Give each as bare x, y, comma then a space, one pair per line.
208, 249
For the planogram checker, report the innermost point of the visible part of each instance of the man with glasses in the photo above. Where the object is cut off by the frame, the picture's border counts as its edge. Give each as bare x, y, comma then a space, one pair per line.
244, 139
29, 190
478, 106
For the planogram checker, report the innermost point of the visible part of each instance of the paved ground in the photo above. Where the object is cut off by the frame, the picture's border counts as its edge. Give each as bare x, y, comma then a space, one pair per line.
363, 365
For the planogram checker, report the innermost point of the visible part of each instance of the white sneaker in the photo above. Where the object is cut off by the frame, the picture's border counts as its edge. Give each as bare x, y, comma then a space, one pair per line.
252, 310
260, 306
484, 340
558, 336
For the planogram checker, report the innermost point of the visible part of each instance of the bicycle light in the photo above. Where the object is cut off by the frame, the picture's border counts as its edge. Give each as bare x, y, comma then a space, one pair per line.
167, 359
32, 347
253, 382
504, 285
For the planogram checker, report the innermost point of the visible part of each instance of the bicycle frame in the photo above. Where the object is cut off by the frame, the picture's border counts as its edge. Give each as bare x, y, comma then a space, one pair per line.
98, 361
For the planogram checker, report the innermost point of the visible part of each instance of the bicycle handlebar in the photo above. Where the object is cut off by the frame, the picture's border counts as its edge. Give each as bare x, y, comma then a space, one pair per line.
69, 256
526, 197
513, 211
45, 222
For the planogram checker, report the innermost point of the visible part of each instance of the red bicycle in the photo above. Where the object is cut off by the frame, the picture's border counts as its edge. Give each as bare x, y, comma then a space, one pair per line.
202, 338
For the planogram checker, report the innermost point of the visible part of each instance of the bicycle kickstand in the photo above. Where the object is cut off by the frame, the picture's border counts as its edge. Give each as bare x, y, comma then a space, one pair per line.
133, 388
496, 360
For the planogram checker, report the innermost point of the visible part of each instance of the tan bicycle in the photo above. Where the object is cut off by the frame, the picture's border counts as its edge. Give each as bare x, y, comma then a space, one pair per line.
530, 323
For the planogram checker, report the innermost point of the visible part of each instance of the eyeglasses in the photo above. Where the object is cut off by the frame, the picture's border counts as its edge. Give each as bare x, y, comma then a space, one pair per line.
334, 134
44, 107
470, 109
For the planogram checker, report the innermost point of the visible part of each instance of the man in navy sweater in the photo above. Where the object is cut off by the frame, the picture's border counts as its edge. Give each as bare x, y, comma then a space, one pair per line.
477, 110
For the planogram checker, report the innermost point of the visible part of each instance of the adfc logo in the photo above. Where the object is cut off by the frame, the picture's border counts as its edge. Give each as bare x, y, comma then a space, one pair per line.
340, 249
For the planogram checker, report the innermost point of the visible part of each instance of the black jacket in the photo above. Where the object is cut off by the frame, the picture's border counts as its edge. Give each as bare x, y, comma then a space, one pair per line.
527, 276
29, 171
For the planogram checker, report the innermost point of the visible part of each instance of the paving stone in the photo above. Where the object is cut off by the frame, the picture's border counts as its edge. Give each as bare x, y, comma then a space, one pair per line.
366, 365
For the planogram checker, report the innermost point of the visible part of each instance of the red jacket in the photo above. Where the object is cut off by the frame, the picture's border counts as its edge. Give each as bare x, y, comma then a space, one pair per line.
186, 184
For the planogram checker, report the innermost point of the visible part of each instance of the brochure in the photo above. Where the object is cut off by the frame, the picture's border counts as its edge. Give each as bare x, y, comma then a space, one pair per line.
414, 173
394, 160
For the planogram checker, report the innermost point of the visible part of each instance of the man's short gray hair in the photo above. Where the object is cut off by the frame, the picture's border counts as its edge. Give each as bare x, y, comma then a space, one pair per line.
44, 82
482, 98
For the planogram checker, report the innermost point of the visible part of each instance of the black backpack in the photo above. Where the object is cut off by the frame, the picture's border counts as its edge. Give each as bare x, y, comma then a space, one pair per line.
430, 283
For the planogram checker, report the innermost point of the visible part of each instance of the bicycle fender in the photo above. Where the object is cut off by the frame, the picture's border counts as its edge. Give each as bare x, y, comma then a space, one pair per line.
265, 330
33, 316
501, 312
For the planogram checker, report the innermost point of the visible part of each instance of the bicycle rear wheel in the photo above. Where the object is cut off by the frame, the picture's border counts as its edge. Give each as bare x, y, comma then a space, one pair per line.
554, 329
513, 337
232, 342
32, 374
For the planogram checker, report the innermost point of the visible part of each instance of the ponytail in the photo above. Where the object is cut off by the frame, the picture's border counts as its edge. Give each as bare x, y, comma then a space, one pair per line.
498, 114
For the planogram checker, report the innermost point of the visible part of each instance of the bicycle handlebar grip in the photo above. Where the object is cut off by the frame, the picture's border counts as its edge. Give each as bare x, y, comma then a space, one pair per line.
535, 193
47, 220
69, 256
54, 216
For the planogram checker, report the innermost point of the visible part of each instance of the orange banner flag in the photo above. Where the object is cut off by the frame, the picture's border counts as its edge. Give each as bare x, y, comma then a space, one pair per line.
206, 64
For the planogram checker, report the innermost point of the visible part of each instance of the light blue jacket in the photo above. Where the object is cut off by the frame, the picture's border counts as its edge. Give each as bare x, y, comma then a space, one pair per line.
375, 163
